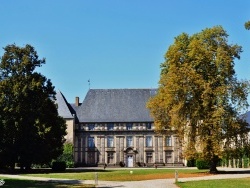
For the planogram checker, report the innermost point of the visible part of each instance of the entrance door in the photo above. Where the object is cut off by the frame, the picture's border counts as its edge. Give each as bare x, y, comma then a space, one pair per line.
130, 161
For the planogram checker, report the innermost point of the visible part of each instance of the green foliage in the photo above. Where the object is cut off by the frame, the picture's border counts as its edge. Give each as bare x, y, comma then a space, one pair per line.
58, 166
245, 162
191, 163
31, 130
122, 175
232, 162
199, 95
67, 155
222, 183
122, 164
247, 25
202, 164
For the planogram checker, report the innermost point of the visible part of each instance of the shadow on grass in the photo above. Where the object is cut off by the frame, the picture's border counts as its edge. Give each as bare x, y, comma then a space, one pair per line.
234, 172
16, 183
47, 171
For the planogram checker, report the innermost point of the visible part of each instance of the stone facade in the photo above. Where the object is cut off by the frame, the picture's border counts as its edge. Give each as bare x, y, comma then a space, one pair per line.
129, 140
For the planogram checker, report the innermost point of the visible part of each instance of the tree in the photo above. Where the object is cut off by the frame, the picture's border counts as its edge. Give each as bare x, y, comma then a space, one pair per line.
199, 96
247, 25
31, 130
67, 155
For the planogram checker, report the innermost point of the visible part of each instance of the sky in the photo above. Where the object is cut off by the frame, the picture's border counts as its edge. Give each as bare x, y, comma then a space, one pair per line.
115, 43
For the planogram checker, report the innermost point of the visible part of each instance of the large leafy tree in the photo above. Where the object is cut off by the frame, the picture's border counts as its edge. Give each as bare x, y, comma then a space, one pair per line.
247, 25
199, 96
31, 130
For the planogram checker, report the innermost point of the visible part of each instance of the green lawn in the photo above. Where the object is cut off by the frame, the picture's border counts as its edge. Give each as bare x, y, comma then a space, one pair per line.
227, 183
18, 183
123, 175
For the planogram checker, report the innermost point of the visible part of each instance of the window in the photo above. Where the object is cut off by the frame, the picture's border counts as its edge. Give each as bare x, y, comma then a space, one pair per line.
129, 126
91, 142
149, 141
168, 141
148, 125
110, 141
110, 157
169, 157
110, 126
149, 157
129, 141
91, 127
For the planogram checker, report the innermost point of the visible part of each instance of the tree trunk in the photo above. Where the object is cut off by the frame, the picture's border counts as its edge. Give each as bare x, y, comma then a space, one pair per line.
213, 169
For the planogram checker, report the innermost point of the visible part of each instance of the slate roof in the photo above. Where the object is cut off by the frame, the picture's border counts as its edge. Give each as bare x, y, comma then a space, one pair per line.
63, 107
115, 105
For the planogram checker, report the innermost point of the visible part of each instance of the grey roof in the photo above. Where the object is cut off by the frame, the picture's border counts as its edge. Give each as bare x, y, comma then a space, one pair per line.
63, 107
115, 105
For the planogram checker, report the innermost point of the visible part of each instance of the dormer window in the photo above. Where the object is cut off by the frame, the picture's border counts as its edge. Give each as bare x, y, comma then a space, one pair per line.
91, 127
129, 126
149, 126
110, 126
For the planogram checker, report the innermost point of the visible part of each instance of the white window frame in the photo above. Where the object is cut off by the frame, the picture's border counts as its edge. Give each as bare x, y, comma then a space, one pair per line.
168, 141
149, 141
110, 141
129, 140
91, 142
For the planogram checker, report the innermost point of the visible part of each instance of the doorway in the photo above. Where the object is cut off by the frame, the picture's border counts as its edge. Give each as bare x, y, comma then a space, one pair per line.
130, 161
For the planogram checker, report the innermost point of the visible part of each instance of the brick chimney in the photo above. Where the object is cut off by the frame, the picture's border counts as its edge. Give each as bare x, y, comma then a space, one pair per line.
77, 101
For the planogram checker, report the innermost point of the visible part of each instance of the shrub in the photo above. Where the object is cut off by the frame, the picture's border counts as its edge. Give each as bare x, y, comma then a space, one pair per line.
191, 163
122, 164
67, 155
58, 166
202, 164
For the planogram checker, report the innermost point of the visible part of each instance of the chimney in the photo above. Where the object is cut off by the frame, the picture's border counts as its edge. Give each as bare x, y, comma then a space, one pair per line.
77, 101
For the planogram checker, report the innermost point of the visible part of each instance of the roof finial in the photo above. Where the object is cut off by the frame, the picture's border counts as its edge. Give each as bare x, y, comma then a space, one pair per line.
89, 83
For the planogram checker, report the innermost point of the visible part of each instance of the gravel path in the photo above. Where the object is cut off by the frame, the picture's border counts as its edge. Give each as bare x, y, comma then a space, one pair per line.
159, 183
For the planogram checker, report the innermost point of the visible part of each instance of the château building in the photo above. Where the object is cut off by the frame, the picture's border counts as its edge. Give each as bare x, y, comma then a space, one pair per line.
114, 127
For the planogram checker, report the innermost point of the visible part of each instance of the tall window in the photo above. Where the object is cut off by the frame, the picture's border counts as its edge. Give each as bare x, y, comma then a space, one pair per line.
149, 126
129, 126
110, 126
91, 142
129, 141
149, 141
169, 157
168, 141
110, 157
149, 157
110, 141
91, 127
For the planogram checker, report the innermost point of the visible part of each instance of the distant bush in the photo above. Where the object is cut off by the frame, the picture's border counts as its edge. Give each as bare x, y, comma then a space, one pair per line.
67, 155
202, 164
58, 166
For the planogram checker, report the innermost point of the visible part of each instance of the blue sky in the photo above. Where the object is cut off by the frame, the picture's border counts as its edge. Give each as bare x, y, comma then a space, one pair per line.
115, 43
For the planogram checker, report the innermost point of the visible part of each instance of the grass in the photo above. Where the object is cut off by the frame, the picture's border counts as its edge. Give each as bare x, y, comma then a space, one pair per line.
124, 175
18, 183
226, 183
